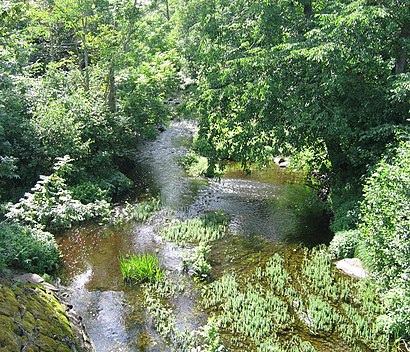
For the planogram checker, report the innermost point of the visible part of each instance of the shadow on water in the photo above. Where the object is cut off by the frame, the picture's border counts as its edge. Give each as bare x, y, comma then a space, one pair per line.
266, 208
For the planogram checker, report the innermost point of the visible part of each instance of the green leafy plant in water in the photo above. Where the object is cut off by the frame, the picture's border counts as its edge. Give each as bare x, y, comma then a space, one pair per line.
196, 263
138, 211
140, 268
143, 210
196, 230
296, 344
253, 312
275, 298
318, 270
321, 317
278, 277
206, 338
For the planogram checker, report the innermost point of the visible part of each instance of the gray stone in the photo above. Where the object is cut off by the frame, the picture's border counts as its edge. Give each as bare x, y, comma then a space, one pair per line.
352, 267
33, 278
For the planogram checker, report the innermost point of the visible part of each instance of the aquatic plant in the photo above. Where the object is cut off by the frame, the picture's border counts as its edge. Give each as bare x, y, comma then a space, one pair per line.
278, 277
138, 211
270, 345
253, 312
258, 310
195, 230
296, 344
320, 316
218, 291
206, 338
195, 262
318, 271
140, 267
142, 211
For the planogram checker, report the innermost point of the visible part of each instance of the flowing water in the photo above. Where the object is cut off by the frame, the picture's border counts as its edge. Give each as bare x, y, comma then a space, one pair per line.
267, 209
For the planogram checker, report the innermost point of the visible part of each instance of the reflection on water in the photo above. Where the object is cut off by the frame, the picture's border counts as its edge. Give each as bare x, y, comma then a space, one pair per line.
266, 208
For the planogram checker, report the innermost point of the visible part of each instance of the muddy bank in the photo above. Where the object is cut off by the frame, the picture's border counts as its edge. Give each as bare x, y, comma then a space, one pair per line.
36, 318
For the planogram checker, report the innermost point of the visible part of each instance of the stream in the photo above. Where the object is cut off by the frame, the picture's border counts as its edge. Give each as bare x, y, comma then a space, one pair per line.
267, 208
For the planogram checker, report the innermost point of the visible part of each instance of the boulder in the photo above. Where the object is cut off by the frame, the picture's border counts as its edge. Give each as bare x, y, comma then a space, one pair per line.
352, 267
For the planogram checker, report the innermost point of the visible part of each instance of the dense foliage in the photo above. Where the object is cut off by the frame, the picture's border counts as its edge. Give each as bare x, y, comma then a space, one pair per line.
33, 250
83, 78
282, 77
385, 231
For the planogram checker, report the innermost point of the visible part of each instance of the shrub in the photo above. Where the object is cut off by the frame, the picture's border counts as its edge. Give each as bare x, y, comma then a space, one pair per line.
385, 231
33, 250
140, 268
194, 164
51, 205
385, 222
343, 244
88, 192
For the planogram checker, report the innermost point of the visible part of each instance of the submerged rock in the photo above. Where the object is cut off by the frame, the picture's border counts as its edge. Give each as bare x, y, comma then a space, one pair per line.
35, 318
352, 267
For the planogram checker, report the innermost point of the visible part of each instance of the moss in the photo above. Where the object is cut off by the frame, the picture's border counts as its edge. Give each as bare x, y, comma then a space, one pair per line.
9, 334
33, 319
48, 344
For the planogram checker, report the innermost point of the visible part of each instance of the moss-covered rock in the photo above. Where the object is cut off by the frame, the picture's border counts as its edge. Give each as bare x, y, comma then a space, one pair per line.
33, 318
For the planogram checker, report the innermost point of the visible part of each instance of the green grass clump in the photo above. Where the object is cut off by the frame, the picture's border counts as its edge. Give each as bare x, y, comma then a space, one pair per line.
140, 268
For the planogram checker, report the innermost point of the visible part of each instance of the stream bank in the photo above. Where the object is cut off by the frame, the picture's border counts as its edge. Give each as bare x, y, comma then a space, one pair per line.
269, 213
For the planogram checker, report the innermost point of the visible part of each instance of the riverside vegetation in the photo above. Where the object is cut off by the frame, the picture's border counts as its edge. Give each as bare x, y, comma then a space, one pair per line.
323, 82
289, 304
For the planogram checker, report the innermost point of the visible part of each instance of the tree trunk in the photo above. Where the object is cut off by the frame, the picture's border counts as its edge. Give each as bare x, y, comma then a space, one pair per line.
402, 55
307, 9
167, 15
85, 54
111, 101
